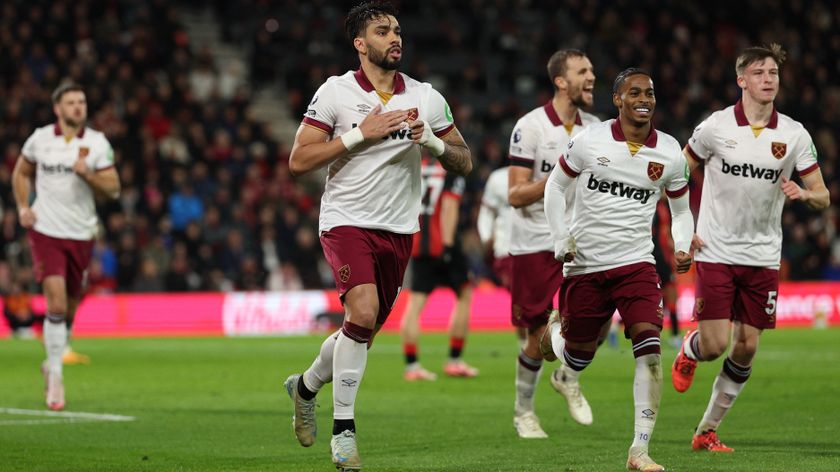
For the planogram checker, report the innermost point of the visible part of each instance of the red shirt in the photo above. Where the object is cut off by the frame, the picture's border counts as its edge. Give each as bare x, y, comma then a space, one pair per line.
437, 184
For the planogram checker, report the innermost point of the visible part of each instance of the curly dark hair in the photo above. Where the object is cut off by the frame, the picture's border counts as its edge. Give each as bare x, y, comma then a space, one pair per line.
359, 16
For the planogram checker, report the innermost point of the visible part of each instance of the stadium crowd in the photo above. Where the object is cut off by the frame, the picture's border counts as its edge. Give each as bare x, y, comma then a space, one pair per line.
208, 202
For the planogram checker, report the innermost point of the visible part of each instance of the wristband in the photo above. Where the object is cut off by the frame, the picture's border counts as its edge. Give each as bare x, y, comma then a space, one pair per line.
352, 138
435, 145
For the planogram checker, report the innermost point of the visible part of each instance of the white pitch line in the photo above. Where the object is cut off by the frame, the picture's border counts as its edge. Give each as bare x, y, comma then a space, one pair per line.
25, 422
75, 415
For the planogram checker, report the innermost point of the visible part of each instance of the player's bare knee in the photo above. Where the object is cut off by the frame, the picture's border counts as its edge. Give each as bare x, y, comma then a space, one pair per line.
744, 350
713, 350
713, 344
364, 315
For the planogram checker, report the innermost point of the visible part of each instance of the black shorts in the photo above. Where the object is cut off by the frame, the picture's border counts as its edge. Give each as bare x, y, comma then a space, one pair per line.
428, 273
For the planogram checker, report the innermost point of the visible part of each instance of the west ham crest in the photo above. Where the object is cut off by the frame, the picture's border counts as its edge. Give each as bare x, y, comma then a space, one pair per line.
83, 152
655, 170
344, 273
778, 149
700, 304
413, 114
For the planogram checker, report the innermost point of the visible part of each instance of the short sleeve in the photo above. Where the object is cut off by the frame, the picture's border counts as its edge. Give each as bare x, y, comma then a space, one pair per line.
104, 156
524, 142
29, 150
806, 154
700, 144
572, 161
677, 184
321, 113
439, 115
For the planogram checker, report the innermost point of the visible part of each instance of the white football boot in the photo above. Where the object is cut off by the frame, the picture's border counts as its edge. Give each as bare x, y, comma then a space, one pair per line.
578, 406
528, 426
345, 454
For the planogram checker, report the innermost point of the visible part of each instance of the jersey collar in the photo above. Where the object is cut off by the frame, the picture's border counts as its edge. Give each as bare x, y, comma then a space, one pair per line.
364, 82
618, 134
57, 130
741, 117
554, 118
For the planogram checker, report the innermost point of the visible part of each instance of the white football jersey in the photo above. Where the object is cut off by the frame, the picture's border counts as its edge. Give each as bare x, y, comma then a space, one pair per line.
64, 203
741, 207
616, 195
376, 186
494, 218
537, 141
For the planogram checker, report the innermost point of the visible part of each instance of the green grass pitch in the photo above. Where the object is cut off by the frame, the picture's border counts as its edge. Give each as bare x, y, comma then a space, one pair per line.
217, 404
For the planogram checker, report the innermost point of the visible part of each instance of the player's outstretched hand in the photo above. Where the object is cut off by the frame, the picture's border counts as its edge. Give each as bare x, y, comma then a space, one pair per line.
682, 261
696, 244
793, 191
377, 124
27, 217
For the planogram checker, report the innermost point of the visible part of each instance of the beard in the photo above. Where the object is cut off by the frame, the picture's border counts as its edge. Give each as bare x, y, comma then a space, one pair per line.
577, 99
579, 102
73, 122
382, 60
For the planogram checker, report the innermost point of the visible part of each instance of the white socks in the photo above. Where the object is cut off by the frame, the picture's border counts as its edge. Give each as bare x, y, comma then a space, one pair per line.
348, 364
647, 392
55, 340
321, 370
527, 375
724, 393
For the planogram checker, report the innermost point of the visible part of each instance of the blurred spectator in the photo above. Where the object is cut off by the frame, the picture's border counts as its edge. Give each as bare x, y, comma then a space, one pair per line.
185, 207
149, 280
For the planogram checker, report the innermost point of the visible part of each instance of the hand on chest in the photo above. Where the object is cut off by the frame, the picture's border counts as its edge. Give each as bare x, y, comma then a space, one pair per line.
353, 114
59, 158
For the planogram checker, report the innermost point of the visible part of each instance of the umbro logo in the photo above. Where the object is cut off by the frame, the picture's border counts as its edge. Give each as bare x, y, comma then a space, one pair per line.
363, 108
602, 161
349, 382
648, 413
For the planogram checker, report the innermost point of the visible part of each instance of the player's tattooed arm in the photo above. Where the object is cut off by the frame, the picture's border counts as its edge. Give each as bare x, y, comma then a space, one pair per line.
451, 150
456, 155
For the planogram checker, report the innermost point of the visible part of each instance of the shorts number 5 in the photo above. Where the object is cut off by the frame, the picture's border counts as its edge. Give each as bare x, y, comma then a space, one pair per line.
771, 302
